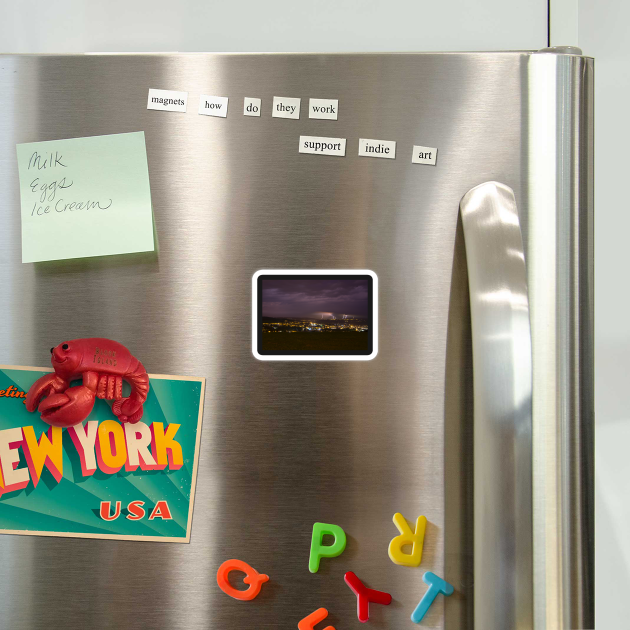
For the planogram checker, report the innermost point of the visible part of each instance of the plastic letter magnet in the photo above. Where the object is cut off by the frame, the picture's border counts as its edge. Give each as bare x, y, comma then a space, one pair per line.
365, 596
252, 577
407, 537
436, 586
308, 623
319, 551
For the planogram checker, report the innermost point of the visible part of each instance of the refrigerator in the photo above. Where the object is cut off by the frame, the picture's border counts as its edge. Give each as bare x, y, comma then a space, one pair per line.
473, 406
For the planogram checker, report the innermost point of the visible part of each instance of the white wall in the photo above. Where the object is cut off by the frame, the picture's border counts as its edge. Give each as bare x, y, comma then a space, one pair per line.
604, 27
270, 25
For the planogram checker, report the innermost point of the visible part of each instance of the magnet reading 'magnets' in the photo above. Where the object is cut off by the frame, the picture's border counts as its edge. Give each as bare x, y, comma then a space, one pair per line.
103, 364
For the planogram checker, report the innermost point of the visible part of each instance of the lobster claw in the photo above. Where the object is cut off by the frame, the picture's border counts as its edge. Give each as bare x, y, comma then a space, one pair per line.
128, 410
43, 386
68, 408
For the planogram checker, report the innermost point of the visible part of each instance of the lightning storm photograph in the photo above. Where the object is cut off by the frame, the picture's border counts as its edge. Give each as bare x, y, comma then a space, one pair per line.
315, 315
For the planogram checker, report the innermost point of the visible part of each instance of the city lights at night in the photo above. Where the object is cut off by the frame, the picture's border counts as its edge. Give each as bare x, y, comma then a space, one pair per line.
315, 314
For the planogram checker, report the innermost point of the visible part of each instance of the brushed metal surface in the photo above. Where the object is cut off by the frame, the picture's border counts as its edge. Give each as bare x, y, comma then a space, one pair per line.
560, 276
284, 444
502, 368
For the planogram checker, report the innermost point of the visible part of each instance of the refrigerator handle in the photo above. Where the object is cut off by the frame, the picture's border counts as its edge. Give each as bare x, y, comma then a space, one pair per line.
502, 374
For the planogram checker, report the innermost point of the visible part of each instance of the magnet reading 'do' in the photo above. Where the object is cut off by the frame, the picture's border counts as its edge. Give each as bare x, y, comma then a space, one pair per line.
102, 364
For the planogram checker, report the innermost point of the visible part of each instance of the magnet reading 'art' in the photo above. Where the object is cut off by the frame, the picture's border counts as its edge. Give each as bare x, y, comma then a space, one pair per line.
252, 577
407, 537
102, 364
319, 551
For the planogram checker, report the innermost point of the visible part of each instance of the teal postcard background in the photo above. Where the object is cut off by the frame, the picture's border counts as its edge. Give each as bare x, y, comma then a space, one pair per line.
72, 505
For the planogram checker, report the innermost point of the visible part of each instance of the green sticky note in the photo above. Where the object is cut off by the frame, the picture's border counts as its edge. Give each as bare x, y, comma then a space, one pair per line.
85, 197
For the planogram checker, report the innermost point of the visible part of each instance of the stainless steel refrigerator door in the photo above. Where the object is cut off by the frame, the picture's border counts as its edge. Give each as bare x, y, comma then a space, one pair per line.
284, 444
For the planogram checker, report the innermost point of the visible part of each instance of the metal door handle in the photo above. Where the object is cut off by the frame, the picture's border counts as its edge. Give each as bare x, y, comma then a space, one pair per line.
502, 373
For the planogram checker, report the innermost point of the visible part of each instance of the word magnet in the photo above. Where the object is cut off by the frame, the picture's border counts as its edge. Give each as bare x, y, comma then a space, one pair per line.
319, 550
167, 100
252, 577
377, 148
285, 107
323, 108
322, 146
213, 105
251, 106
424, 155
407, 537
365, 595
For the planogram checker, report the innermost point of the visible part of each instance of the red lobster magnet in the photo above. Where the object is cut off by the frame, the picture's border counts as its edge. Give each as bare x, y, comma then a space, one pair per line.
103, 364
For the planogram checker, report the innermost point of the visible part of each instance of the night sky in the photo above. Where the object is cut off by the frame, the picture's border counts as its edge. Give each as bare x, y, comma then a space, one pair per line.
312, 298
